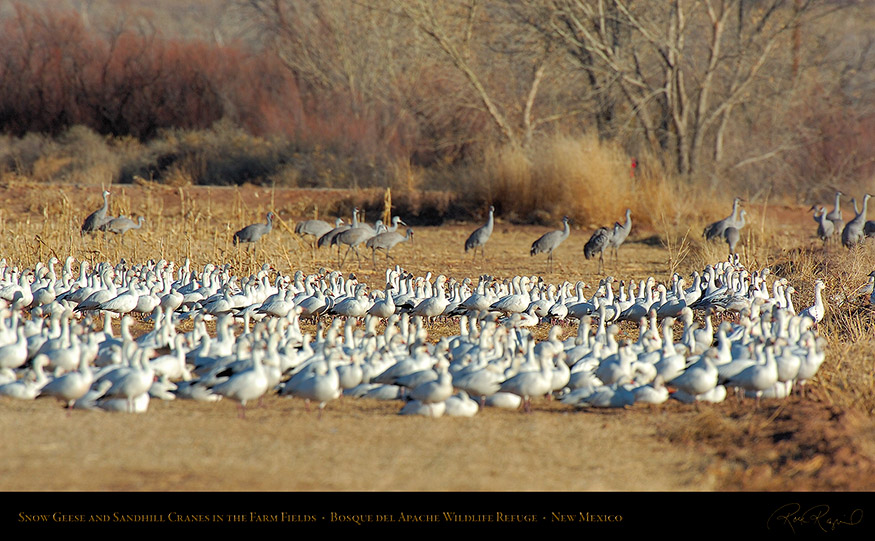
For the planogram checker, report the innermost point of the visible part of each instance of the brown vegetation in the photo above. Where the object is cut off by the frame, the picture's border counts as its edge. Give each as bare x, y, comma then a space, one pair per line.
815, 443
416, 95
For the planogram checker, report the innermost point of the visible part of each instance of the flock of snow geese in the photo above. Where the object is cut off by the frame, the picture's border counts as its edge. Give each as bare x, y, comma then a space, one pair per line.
57, 338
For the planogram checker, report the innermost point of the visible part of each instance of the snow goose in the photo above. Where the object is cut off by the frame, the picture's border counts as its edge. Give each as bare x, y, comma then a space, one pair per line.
278, 307
29, 386
163, 389
14, 355
243, 386
89, 401
609, 396
481, 382
322, 386
617, 367
504, 400
384, 307
195, 390
530, 383
654, 392
699, 378
715, 395
124, 302
433, 392
70, 387
517, 301
818, 309
434, 306
461, 405
355, 306
133, 382
415, 407
137, 404
759, 376
810, 362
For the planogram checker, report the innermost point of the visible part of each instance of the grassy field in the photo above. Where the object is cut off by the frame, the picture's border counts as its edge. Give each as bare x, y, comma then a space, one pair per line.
821, 442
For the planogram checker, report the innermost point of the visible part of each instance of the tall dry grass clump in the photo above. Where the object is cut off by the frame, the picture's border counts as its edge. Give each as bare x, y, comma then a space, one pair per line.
846, 378
587, 179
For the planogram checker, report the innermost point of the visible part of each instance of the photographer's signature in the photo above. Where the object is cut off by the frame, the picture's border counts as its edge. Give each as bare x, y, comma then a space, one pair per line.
793, 515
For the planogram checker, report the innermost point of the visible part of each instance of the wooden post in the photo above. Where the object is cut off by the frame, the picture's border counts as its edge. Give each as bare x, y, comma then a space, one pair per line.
387, 207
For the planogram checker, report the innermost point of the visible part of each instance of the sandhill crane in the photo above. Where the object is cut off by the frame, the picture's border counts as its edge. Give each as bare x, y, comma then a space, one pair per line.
329, 238
386, 241
716, 229
252, 233
316, 229
550, 241
396, 221
854, 231
478, 238
835, 215
97, 218
732, 234
618, 237
352, 237
121, 225
597, 244
825, 227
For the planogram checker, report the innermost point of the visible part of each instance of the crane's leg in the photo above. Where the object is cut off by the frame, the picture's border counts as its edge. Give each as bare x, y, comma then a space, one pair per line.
344, 256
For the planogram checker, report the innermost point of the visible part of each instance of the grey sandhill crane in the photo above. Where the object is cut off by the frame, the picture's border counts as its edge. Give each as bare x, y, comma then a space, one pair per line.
315, 229
550, 241
825, 226
329, 239
354, 236
96, 219
386, 241
122, 225
835, 215
597, 244
854, 231
732, 234
478, 238
618, 237
252, 233
715, 230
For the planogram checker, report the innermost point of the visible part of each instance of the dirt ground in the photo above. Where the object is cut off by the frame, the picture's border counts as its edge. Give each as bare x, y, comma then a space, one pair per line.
798, 444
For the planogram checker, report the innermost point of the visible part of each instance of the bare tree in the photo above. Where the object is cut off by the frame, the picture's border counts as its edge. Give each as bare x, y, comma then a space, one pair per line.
677, 70
489, 48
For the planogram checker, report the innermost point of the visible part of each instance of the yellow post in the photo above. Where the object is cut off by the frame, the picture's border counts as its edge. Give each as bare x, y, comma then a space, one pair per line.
387, 207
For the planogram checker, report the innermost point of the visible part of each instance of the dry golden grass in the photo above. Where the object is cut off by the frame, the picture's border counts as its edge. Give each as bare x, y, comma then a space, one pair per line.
362, 445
